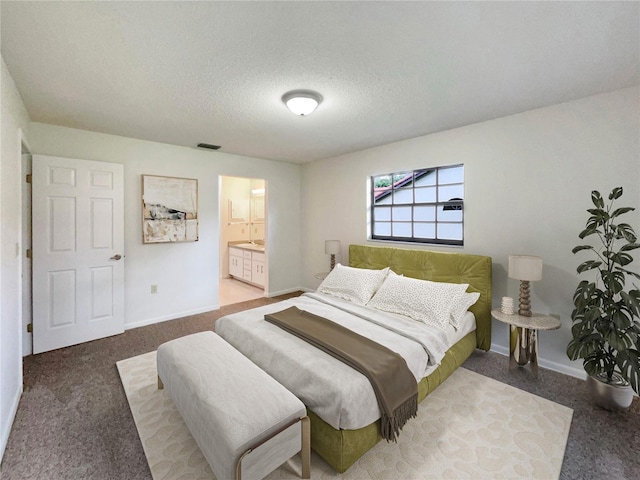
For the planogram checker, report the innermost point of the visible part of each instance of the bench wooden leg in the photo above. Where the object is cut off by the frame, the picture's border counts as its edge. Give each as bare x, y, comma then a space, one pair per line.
160, 384
305, 448
305, 452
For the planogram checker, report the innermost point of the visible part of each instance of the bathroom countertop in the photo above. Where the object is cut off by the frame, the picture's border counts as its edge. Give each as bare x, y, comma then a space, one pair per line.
248, 246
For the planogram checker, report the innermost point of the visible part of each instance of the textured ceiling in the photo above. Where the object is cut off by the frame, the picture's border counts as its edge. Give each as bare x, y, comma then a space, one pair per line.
215, 72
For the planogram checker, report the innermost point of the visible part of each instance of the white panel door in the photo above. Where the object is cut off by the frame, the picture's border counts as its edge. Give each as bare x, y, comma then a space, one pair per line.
78, 242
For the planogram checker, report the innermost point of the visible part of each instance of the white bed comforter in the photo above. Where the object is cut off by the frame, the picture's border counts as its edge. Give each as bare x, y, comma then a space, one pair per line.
340, 395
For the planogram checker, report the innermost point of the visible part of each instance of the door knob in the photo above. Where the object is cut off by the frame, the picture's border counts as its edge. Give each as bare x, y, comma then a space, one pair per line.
116, 257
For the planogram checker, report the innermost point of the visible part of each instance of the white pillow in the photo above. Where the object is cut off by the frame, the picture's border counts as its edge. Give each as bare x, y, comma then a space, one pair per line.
422, 300
356, 285
461, 308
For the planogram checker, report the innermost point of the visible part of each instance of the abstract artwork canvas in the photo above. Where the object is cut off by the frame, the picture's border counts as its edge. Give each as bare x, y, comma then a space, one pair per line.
169, 209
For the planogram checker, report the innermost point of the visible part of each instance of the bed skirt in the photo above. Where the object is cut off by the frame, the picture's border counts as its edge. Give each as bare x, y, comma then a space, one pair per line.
342, 448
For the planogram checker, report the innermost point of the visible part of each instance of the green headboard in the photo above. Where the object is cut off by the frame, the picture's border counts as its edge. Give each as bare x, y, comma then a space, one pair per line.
437, 267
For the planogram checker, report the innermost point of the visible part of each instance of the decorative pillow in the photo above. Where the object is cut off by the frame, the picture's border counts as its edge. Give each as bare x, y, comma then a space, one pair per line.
422, 300
461, 308
354, 284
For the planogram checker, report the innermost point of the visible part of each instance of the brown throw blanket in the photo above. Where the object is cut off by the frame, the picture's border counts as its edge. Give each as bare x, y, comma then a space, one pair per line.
394, 385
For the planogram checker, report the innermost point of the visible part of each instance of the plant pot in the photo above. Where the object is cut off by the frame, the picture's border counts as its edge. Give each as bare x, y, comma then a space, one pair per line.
615, 394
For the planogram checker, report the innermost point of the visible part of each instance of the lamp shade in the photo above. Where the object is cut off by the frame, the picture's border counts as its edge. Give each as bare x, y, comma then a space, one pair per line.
332, 247
525, 267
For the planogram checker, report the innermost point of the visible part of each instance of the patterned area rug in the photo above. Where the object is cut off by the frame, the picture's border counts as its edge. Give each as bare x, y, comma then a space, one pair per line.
471, 426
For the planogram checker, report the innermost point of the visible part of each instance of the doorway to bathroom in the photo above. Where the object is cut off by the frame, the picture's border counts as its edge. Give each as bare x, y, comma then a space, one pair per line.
243, 245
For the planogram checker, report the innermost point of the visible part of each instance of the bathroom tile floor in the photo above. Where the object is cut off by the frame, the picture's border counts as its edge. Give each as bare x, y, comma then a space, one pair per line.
234, 291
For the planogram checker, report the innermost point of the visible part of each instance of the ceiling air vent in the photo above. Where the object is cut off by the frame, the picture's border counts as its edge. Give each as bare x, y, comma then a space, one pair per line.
209, 146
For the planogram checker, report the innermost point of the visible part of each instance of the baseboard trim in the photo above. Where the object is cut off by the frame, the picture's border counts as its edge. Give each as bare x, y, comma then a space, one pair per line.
4, 439
173, 316
556, 367
283, 292
186, 313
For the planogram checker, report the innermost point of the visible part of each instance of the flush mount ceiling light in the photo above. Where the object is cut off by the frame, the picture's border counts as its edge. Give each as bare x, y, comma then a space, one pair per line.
302, 102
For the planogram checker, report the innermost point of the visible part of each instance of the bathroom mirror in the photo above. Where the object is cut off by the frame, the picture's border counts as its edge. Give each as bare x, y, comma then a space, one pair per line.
258, 209
238, 209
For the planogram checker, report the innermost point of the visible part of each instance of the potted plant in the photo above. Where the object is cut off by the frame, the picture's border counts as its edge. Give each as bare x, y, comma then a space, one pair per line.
606, 317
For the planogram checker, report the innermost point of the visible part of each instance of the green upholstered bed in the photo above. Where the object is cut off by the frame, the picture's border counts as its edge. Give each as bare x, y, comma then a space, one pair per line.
341, 448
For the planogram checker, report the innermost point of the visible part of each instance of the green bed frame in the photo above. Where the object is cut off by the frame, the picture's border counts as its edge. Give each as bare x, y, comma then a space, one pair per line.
342, 448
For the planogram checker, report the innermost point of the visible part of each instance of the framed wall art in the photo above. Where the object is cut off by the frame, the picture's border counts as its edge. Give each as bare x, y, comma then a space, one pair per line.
169, 209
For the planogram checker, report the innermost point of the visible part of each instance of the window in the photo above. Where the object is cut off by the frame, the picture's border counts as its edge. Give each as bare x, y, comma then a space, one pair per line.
424, 206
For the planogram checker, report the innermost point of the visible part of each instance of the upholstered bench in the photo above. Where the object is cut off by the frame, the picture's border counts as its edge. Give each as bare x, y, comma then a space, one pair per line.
244, 421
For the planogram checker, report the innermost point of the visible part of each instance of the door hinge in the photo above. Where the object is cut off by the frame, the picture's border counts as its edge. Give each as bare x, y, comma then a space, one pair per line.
30, 327
29, 254
28, 178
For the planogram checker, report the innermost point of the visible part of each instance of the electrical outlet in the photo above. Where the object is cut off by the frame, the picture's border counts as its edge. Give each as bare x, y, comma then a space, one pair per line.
255, 230
154, 288
243, 230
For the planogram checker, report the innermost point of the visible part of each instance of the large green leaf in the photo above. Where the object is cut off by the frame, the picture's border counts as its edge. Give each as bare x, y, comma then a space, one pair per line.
613, 281
629, 246
618, 258
619, 341
632, 301
598, 362
592, 314
581, 247
587, 298
588, 265
596, 198
585, 290
625, 230
598, 215
585, 286
581, 329
590, 230
621, 211
629, 364
582, 347
615, 193
622, 258
593, 365
580, 302
621, 320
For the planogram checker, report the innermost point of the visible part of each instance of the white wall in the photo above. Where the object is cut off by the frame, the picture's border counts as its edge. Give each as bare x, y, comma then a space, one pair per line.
14, 122
187, 274
528, 179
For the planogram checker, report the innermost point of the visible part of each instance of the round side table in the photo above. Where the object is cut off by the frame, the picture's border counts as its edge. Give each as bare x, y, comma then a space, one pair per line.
523, 336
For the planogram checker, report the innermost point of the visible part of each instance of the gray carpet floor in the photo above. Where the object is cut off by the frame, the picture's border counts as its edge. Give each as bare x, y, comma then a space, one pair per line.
73, 421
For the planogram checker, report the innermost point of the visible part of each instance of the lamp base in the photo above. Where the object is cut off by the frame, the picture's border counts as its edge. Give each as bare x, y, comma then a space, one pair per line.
525, 305
332, 263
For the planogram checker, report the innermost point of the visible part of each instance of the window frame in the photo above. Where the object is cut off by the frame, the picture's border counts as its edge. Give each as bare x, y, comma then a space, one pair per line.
445, 205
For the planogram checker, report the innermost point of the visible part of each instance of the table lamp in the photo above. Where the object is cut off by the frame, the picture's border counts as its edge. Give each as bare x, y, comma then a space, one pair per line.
332, 247
526, 268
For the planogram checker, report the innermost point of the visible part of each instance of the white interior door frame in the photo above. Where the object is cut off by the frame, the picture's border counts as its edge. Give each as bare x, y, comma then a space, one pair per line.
27, 300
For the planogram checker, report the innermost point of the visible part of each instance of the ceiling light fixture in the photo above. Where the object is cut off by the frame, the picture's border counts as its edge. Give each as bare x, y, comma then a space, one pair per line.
302, 102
